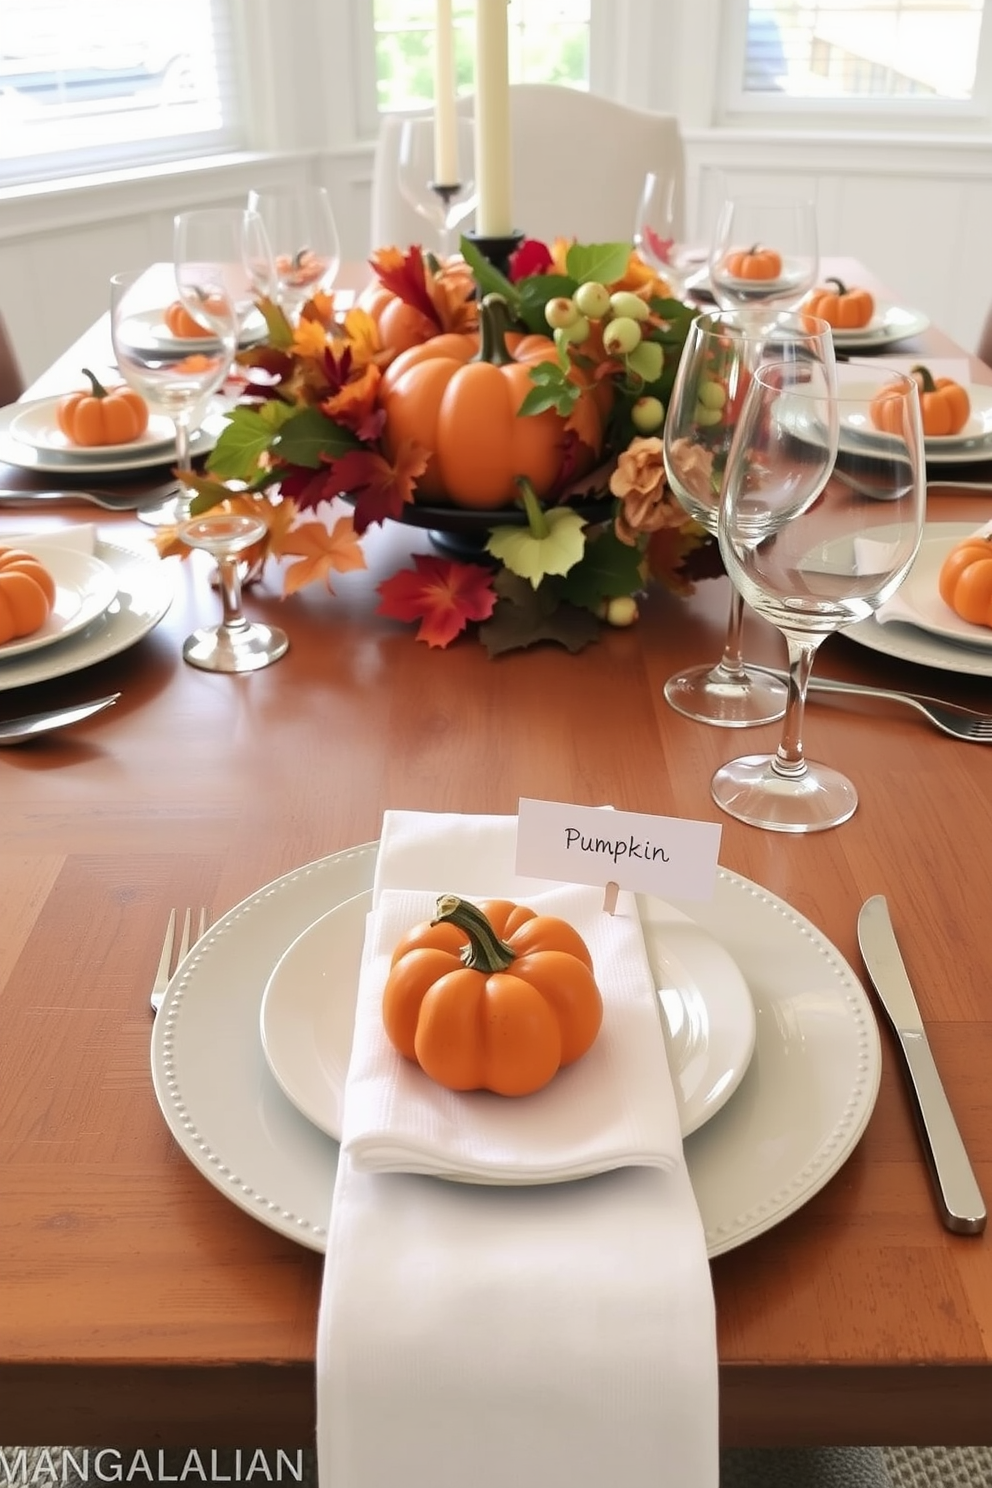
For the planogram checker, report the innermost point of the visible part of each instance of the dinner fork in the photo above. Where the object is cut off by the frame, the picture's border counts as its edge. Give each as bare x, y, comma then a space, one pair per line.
960, 723
166, 965
109, 500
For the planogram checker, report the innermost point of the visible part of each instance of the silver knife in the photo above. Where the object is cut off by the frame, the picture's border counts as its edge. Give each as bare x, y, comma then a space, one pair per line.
961, 1203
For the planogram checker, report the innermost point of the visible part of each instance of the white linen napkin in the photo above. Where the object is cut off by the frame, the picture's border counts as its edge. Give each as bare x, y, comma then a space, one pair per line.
615, 1107
536, 1335
80, 537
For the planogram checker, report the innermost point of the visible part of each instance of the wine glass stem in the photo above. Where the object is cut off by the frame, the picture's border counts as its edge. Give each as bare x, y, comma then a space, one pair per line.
789, 760
732, 660
230, 592
182, 441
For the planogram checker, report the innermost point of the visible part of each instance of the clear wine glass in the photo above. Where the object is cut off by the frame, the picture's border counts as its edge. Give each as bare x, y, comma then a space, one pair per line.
721, 351
658, 228
444, 204
236, 644
176, 378
812, 554
764, 250
304, 243
228, 244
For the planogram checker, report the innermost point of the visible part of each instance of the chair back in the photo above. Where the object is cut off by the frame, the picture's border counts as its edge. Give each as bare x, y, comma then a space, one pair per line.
578, 163
11, 381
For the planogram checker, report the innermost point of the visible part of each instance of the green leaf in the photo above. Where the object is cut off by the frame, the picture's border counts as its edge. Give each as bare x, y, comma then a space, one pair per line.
608, 568
487, 277
535, 292
310, 434
236, 454
602, 262
534, 557
523, 616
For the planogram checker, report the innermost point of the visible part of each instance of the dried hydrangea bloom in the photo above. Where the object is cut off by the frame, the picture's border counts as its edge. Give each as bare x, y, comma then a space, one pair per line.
694, 467
639, 482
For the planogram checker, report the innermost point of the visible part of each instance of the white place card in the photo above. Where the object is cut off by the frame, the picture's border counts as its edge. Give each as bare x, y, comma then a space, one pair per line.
667, 856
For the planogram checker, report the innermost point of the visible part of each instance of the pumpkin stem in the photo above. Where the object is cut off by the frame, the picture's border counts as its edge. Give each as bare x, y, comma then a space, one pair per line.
485, 951
841, 287
99, 391
494, 322
925, 377
537, 522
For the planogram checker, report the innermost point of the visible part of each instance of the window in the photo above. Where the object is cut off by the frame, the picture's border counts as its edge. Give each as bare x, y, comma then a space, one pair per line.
92, 84
874, 56
548, 40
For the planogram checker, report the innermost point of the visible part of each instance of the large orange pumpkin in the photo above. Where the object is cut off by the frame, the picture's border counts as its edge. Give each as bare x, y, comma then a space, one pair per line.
401, 325
492, 997
27, 594
461, 401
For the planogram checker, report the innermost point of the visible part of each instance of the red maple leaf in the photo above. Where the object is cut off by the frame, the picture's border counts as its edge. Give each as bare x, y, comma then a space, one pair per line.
443, 595
308, 488
532, 257
404, 274
380, 489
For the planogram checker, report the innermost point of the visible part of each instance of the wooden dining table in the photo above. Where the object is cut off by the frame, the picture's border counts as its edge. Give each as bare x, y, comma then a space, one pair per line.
138, 1304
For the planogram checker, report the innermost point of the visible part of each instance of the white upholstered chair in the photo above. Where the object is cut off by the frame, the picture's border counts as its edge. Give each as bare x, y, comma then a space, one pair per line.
578, 165
11, 381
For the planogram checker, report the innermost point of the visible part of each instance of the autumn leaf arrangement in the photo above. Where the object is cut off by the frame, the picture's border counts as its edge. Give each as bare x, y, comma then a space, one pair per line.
530, 404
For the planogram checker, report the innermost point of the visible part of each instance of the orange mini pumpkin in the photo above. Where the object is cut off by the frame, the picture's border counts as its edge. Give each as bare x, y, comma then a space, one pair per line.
844, 309
183, 325
754, 263
491, 997
965, 580
102, 415
461, 402
27, 594
944, 405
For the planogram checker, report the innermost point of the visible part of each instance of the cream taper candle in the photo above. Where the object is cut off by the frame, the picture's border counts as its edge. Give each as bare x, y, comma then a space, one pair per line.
446, 171
494, 213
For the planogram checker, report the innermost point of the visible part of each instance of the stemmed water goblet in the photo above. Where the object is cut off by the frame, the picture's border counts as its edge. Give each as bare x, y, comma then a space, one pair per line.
764, 250
812, 554
721, 351
228, 244
175, 382
658, 229
444, 204
236, 644
303, 239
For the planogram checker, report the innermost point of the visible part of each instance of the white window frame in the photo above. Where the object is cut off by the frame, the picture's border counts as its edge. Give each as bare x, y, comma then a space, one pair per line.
735, 108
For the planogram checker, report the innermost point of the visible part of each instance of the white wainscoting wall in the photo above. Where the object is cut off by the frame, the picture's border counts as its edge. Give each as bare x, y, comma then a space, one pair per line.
917, 211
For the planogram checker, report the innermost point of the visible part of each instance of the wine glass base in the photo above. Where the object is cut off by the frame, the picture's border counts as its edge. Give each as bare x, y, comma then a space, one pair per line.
714, 695
223, 648
751, 790
169, 514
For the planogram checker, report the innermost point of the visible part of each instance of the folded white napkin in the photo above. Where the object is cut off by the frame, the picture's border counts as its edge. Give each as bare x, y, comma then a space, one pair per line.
80, 537
615, 1107
536, 1335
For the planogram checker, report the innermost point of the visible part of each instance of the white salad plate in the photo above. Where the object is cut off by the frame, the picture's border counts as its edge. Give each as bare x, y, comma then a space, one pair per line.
972, 442
15, 451
795, 1118
144, 587
308, 1012
156, 334
911, 641
84, 587
889, 324
36, 425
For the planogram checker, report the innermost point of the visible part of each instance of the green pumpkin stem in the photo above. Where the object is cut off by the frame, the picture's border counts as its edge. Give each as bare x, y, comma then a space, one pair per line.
494, 322
925, 376
537, 522
99, 391
485, 951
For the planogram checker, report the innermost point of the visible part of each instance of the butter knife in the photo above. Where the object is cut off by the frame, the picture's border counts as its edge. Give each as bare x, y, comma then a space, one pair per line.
961, 1204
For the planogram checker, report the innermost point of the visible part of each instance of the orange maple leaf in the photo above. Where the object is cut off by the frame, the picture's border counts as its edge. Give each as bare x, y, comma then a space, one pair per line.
443, 595
353, 403
381, 489
321, 551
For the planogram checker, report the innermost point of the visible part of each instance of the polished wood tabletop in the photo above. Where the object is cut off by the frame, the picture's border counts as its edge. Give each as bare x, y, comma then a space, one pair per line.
138, 1305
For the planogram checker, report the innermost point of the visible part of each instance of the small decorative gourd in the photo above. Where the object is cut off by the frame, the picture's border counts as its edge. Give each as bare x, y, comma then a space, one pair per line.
102, 415
945, 406
965, 579
491, 996
754, 263
27, 594
844, 309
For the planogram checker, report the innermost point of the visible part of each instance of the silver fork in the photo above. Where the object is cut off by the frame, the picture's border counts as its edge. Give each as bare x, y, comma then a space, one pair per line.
166, 965
960, 723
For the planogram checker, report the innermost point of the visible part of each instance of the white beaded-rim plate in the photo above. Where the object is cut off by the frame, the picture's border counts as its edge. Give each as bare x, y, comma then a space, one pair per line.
796, 1117
308, 1012
84, 587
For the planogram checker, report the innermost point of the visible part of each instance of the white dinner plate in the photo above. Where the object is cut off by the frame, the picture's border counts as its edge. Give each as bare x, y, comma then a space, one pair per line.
15, 451
36, 424
889, 324
156, 334
972, 442
308, 1013
919, 595
144, 586
792, 275
795, 1118
910, 642
84, 587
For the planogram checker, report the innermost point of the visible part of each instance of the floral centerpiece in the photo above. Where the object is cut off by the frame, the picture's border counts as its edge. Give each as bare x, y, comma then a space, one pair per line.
527, 406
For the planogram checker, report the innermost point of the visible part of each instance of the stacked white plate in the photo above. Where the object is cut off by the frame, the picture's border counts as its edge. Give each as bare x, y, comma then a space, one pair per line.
970, 444
31, 438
